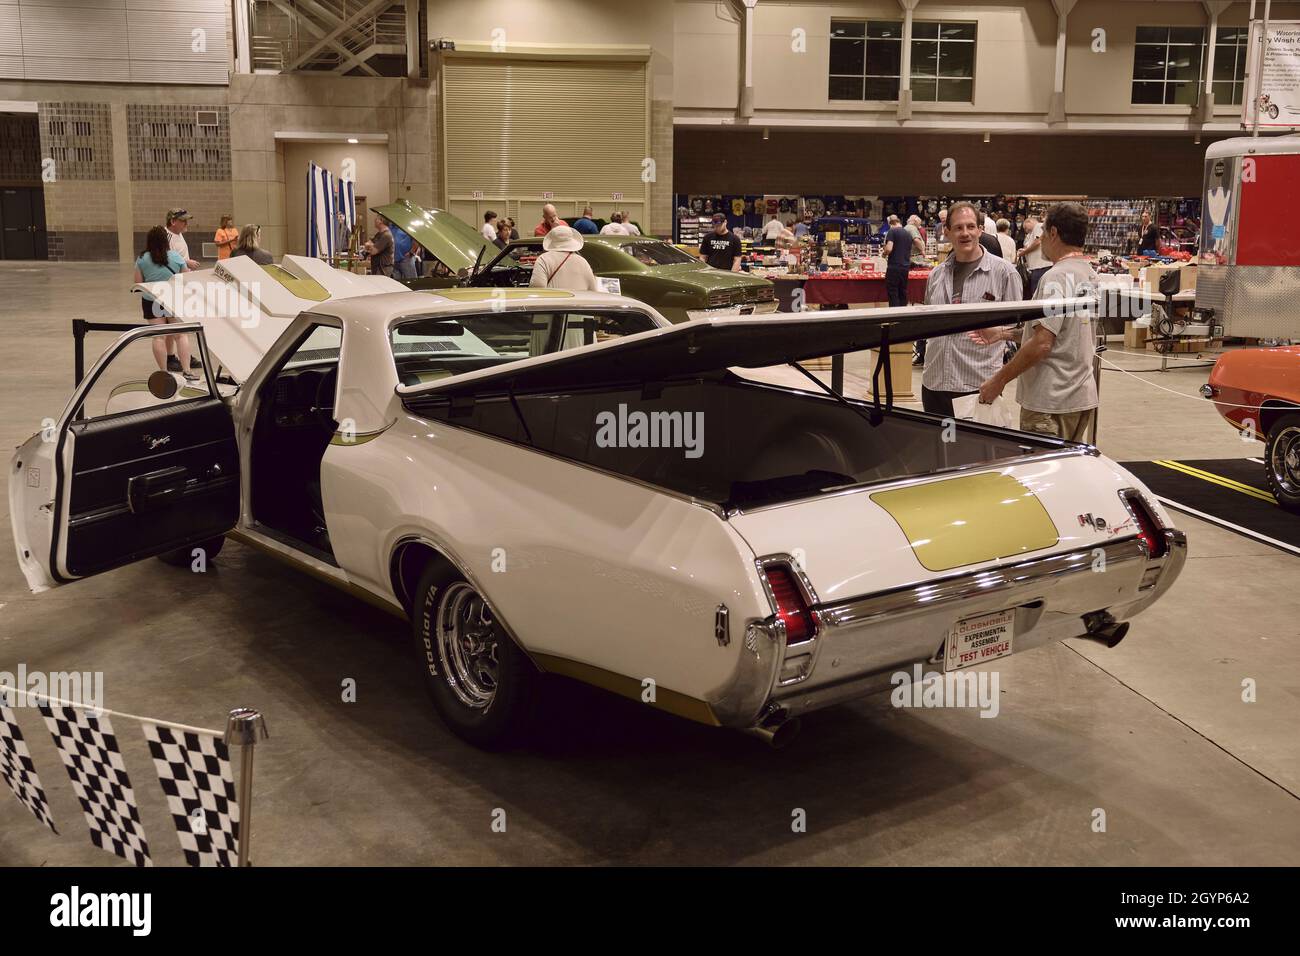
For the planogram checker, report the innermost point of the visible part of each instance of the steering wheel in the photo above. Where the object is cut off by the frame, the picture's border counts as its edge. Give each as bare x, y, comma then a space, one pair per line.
323, 404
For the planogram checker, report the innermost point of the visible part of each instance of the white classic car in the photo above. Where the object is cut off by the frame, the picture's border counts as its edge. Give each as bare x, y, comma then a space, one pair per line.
543, 481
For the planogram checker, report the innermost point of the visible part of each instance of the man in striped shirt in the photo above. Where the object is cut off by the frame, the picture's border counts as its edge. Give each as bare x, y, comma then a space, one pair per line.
957, 365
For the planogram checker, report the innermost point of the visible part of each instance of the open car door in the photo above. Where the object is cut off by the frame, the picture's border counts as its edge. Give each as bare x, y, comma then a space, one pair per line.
102, 487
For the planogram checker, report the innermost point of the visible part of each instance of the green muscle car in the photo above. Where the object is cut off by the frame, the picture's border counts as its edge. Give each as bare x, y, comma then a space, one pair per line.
679, 285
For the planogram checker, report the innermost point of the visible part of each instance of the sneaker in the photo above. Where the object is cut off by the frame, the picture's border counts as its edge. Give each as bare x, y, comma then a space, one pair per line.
173, 363
195, 363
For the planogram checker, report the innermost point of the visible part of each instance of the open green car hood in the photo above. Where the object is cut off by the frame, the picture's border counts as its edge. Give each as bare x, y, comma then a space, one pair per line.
452, 241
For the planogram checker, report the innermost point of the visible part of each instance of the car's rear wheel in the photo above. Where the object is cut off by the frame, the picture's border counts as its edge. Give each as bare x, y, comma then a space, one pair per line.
1282, 461
482, 685
184, 557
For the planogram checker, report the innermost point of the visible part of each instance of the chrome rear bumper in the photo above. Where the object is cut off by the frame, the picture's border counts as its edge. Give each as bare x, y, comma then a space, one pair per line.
862, 642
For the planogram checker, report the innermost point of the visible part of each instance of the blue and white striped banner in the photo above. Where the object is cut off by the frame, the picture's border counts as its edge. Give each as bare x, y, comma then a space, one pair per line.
321, 208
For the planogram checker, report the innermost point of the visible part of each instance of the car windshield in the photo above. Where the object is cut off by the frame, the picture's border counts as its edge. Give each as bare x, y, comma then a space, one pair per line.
428, 348
656, 253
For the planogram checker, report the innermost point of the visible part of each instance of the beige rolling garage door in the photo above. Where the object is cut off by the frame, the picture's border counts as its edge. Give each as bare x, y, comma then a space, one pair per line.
515, 130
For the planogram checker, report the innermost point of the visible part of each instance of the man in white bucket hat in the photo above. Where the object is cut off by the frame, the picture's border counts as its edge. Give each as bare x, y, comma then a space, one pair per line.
560, 266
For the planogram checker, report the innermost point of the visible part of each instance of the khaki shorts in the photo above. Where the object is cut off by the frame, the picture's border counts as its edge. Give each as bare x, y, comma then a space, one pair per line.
1072, 426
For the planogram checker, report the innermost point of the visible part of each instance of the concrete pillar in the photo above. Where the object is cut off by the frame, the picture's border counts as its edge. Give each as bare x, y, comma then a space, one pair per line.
1056, 109
243, 38
124, 208
413, 39
1212, 9
905, 68
747, 55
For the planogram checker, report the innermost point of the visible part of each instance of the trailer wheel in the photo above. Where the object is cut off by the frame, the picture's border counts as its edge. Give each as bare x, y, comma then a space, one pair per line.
1282, 461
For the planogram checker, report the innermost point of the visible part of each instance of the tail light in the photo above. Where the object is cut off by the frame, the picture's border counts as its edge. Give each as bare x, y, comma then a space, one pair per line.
766, 294
1150, 531
791, 607
719, 298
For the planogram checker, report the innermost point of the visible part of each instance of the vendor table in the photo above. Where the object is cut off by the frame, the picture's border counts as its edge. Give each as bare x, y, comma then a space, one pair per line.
830, 289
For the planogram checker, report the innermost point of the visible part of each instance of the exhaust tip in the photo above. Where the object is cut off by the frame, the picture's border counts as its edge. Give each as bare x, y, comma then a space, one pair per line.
1115, 633
777, 735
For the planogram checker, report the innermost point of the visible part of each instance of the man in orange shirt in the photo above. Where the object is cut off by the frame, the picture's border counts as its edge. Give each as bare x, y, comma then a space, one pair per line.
550, 219
226, 237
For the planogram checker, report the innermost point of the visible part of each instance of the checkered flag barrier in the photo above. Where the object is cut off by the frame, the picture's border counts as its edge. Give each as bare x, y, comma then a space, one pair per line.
18, 770
195, 773
89, 751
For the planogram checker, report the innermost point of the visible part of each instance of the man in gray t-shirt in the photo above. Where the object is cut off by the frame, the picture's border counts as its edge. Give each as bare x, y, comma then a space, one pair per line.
1057, 391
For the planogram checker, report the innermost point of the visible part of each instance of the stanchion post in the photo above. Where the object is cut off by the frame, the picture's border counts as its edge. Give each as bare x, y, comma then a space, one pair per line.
245, 727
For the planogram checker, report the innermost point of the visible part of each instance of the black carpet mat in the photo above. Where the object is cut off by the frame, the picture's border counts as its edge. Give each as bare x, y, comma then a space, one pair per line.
1230, 492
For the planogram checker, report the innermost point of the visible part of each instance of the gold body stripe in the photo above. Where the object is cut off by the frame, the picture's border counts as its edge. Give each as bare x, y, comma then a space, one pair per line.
665, 699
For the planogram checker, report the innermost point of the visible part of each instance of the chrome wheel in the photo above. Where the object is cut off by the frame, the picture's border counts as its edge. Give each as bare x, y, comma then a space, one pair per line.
467, 637
1284, 460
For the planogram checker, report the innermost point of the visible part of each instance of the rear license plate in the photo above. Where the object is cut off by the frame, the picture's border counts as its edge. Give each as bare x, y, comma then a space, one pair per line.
977, 640
746, 310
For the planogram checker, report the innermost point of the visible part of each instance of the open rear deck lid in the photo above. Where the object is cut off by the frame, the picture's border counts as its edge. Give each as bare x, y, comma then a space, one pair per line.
707, 345
244, 307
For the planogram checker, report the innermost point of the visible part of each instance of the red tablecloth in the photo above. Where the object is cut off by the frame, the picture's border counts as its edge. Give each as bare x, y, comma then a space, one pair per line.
833, 290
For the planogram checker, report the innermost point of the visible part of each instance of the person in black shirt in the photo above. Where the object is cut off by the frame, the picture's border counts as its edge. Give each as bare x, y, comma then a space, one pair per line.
898, 256
721, 248
1150, 242
991, 243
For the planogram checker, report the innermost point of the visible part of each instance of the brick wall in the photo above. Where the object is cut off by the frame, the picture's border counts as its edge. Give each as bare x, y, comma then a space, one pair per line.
206, 200
716, 161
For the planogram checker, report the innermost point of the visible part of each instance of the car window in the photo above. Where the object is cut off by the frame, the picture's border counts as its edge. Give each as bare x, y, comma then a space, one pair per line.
652, 253
428, 348
321, 345
124, 383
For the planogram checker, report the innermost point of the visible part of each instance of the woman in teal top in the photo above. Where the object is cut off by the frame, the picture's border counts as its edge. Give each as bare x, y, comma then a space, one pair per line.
158, 263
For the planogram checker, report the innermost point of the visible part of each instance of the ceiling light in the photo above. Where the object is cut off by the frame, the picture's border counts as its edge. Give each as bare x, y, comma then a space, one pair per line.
765, 132
352, 139
986, 137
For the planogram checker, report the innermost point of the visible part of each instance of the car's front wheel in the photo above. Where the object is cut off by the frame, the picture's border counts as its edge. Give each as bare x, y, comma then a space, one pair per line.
482, 685
1282, 461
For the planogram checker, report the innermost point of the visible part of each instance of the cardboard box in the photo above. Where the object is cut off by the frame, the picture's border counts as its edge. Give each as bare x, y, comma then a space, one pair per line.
1135, 336
1153, 274
1184, 345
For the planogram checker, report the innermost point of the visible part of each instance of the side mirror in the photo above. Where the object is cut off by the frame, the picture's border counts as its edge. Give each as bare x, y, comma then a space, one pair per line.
162, 385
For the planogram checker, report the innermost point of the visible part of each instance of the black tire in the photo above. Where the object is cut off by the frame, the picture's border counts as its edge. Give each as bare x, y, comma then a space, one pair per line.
184, 557
1282, 461
482, 685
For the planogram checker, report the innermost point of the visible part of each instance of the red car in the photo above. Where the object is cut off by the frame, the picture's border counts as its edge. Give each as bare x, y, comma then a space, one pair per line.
1258, 391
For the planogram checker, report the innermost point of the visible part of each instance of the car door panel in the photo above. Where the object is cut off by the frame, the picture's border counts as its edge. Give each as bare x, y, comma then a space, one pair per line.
146, 482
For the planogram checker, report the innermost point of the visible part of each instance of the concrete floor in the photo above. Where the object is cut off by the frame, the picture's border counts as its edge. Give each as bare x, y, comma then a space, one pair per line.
1153, 732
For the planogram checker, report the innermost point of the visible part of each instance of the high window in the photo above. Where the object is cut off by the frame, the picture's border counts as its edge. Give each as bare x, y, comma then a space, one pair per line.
1167, 64
866, 58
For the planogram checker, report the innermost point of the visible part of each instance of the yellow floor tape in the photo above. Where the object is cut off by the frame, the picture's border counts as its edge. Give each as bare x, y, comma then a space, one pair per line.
1218, 480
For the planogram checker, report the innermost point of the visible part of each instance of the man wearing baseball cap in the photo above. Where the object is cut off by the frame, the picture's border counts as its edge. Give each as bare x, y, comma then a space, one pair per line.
178, 220
721, 248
